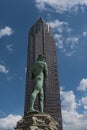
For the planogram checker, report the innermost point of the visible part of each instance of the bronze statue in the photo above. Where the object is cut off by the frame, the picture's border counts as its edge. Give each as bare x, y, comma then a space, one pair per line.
39, 73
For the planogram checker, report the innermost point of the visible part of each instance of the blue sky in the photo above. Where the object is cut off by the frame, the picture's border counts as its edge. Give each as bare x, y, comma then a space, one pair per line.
68, 19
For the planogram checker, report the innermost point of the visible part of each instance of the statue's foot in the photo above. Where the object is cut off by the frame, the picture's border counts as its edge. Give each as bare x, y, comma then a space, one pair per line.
32, 110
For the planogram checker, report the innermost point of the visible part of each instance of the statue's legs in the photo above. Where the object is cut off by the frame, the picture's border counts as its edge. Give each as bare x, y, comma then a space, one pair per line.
37, 89
32, 100
41, 100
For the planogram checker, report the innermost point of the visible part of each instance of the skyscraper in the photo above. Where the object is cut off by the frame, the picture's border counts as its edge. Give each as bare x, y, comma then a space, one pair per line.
40, 41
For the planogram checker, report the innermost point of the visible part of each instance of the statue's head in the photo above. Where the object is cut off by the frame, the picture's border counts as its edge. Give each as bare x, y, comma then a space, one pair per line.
41, 58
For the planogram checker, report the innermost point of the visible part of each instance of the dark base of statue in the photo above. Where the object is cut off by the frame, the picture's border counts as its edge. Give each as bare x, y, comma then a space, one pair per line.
37, 121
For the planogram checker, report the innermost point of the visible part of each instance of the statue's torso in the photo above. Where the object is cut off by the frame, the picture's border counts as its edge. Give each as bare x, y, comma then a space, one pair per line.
39, 70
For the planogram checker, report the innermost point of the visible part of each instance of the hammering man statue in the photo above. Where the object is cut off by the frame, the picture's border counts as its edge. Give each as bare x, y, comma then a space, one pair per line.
39, 73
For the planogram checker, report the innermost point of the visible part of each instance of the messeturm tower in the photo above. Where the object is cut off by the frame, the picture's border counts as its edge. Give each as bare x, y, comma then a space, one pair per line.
41, 41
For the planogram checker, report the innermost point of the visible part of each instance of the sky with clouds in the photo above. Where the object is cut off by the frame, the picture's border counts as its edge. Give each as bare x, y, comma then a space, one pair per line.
68, 20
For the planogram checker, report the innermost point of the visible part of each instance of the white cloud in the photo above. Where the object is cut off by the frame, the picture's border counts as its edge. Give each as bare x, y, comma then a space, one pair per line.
70, 53
72, 120
40, 5
7, 31
59, 26
84, 102
63, 34
68, 102
82, 85
60, 5
10, 47
84, 34
59, 39
72, 41
9, 122
3, 69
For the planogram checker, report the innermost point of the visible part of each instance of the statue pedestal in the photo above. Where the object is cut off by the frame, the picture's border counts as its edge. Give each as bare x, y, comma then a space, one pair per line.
40, 121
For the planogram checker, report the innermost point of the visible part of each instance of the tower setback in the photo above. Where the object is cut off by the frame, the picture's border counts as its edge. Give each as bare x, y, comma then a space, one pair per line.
41, 41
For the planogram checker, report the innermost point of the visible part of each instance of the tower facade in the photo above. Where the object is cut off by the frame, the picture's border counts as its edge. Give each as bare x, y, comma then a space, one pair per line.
40, 41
